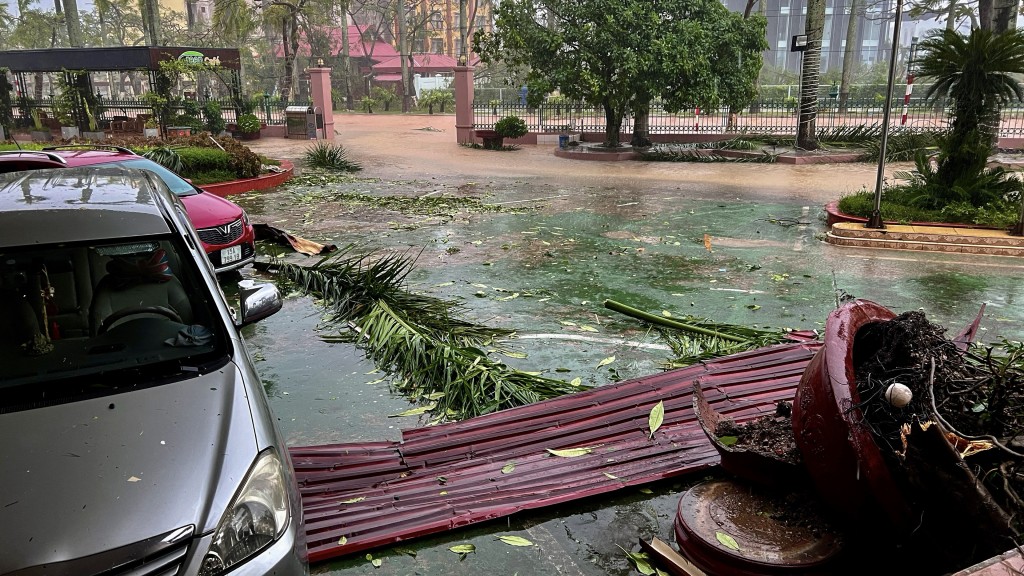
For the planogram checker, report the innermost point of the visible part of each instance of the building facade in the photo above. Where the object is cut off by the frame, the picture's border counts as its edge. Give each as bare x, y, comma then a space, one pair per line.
786, 18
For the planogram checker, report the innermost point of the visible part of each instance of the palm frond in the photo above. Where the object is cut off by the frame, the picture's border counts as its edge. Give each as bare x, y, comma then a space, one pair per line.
694, 339
419, 339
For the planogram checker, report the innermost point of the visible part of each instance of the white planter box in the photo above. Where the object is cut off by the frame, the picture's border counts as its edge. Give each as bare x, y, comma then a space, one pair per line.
68, 132
95, 136
3, 135
41, 136
151, 132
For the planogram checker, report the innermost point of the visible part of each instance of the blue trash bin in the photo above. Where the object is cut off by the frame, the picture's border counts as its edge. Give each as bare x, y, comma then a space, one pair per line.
563, 141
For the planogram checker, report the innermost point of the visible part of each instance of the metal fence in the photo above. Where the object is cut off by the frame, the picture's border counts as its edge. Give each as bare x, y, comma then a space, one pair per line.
774, 116
112, 111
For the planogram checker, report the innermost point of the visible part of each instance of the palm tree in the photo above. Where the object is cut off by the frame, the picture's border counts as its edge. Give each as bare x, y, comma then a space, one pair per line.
975, 71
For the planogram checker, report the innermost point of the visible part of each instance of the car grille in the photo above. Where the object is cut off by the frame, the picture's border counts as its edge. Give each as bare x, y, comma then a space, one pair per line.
225, 234
166, 563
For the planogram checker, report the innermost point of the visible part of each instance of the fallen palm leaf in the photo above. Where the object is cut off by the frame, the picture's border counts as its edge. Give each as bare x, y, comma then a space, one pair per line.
418, 338
695, 339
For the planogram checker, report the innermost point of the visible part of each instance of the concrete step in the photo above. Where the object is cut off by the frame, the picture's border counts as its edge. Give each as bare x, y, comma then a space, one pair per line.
928, 238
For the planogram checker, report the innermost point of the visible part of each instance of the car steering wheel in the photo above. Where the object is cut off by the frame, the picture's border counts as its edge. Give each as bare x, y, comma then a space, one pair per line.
137, 310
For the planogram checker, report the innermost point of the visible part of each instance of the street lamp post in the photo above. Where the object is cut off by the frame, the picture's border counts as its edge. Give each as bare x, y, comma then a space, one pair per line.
876, 215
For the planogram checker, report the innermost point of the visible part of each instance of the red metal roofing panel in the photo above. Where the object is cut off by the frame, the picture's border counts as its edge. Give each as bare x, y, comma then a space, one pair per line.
447, 476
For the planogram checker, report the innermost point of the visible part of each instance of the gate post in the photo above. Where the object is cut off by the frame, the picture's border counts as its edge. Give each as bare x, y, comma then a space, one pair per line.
320, 90
464, 104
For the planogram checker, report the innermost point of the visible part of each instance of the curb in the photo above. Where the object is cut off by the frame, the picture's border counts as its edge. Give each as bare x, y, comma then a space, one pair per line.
261, 182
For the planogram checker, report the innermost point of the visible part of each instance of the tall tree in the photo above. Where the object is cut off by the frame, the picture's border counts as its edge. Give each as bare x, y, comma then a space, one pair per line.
234, 21
620, 54
806, 135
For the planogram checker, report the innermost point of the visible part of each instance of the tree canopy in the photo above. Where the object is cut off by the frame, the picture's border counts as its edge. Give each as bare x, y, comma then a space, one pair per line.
621, 54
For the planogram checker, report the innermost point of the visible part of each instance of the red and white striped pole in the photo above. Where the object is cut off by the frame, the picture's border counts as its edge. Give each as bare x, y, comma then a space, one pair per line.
906, 98
696, 119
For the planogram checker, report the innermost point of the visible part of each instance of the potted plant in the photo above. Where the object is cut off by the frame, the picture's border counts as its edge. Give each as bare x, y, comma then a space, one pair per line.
249, 126
507, 127
151, 129
94, 133
39, 134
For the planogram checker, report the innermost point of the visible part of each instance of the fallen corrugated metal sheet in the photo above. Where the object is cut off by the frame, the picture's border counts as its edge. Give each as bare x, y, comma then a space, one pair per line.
361, 496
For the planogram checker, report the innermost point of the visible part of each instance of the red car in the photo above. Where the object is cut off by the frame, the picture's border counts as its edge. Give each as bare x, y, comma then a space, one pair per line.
222, 225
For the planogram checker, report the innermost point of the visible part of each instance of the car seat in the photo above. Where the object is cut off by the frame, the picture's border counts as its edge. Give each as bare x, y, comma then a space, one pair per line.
138, 283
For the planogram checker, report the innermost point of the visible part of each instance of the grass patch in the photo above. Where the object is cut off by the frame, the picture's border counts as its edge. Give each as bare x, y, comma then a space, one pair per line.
898, 206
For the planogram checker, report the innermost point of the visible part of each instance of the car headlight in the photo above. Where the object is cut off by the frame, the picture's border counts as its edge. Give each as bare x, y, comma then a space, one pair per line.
257, 516
245, 219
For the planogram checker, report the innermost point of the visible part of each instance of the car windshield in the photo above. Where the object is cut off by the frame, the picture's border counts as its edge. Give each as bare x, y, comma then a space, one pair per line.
176, 183
102, 318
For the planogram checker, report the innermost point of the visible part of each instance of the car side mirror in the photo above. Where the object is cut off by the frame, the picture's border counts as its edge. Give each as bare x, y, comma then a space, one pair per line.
257, 301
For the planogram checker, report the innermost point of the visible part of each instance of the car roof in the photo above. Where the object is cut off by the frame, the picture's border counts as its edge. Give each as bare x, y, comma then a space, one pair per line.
87, 154
81, 204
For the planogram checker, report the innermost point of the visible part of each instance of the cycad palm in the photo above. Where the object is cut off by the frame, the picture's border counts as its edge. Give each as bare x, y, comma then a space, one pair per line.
975, 71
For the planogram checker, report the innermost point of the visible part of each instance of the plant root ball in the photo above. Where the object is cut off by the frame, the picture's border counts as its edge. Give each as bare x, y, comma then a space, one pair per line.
898, 395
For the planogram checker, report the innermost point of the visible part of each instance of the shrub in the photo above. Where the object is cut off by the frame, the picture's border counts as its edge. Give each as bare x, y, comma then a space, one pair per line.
384, 96
248, 124
213, 116
196, 160
330, 156
511, 127
187, 120
212, 177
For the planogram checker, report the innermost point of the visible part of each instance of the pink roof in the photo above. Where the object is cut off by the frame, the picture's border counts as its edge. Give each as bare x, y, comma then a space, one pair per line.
376, 49
422, 64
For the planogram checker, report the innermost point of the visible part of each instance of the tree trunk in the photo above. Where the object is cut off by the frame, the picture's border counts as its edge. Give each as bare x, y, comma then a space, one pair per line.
403, 51
462, 33
289, 60
641, 126
985, 11
849, 57
346, 63
748, 8
806, 137
73, 22
951, 15
612, 126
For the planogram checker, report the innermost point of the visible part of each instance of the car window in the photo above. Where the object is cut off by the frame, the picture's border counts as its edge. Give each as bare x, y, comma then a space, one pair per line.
176, 183
102, 318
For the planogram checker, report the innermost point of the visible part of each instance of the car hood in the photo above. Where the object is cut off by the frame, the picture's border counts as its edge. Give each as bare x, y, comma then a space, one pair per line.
207, 210
88, 476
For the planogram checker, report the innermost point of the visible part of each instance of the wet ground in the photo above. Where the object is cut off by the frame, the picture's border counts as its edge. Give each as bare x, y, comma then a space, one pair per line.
536, 243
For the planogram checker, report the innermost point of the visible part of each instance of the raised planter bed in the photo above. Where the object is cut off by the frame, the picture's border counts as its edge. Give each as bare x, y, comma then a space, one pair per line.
833, 216
261, 182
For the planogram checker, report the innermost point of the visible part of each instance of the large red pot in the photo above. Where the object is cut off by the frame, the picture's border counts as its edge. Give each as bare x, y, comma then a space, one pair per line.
838, 450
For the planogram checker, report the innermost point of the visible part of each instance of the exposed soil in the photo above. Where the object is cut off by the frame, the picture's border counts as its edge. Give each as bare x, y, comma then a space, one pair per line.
770, 436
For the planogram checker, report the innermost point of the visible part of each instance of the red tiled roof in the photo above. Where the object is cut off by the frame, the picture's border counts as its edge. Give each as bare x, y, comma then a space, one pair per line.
426, 64
377, 49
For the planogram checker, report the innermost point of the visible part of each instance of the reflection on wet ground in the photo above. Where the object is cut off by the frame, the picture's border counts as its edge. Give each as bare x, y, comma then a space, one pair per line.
545, 271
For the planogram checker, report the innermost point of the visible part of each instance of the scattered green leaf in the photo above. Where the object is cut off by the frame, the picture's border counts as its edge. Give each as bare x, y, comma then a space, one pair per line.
415, 411
606, 361
515, 541
657, 417
508, 468
463, 549
727, 541
342, 541
353, 500
571, 452
727, 440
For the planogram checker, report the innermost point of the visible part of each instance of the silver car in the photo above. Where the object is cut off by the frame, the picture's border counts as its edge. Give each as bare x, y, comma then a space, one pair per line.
136, 434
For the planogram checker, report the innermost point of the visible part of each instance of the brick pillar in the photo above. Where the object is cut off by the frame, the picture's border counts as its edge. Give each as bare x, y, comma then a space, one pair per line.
464, 104
320, 90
